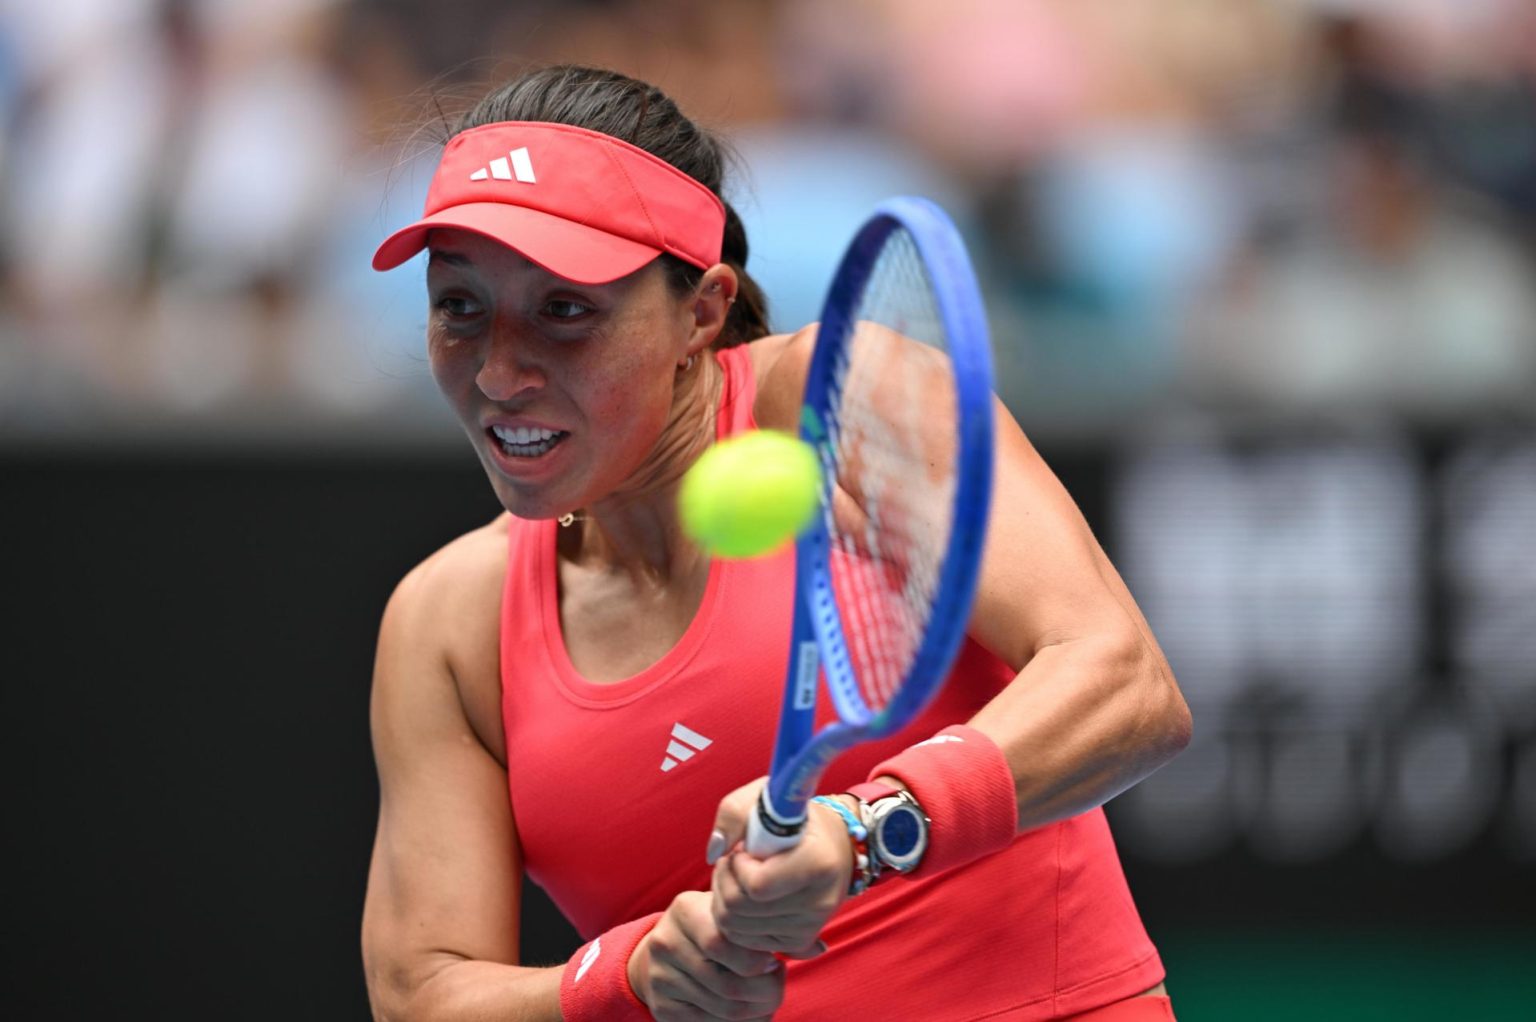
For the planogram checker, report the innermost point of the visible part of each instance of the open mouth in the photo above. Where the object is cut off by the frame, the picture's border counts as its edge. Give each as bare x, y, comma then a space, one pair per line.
523, 442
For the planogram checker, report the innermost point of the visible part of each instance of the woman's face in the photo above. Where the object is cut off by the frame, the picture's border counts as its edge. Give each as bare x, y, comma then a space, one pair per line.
563, 388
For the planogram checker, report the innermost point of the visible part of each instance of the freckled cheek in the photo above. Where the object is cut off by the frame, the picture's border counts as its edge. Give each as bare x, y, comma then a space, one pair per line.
452, 372
613, 403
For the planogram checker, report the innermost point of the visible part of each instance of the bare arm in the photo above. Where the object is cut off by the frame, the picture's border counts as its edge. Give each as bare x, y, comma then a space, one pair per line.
440, 923
1094, 708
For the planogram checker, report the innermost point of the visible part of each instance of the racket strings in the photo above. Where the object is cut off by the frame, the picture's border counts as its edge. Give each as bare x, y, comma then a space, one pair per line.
892, 455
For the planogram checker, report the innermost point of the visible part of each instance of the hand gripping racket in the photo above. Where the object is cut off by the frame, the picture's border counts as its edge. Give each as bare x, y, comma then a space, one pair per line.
898, 406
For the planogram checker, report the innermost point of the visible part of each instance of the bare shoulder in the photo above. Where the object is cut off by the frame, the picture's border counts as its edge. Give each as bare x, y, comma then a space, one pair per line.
459, 571
779, 364
446, 611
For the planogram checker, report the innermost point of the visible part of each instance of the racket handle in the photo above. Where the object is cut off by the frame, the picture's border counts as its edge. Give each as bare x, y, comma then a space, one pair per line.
765, 843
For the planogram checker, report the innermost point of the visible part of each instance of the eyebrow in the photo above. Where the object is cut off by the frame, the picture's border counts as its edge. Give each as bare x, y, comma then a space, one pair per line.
448, 258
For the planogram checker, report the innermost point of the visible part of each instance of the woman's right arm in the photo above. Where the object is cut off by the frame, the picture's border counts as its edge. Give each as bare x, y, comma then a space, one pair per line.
440, 923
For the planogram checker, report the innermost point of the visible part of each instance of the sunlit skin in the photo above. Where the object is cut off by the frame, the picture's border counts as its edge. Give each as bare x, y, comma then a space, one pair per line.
606, 364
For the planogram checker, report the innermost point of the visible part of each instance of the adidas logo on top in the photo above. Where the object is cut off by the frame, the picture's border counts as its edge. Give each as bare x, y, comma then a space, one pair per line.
685, 742
521, 168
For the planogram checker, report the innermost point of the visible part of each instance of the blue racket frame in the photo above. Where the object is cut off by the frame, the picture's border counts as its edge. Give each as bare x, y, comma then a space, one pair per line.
817, 642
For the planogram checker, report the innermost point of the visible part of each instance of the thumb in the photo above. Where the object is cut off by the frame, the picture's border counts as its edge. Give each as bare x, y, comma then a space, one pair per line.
816, 950
731, 819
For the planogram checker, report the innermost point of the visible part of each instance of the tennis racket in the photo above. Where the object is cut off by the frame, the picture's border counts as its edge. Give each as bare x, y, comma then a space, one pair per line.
898, 406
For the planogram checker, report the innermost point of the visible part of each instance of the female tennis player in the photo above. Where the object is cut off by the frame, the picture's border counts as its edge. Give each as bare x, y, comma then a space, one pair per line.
568, 691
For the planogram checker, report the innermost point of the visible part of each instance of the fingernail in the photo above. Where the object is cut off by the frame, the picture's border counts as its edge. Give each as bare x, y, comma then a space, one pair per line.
716, 848
773, 966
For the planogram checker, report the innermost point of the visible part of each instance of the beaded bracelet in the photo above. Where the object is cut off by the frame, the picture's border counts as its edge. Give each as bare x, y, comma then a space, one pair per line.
865, 871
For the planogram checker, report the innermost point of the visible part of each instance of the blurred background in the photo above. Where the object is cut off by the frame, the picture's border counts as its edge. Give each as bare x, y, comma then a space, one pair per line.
1261, 285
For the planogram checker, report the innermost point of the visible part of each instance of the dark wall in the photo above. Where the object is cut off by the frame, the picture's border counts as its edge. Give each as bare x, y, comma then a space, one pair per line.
191, 799
185, 713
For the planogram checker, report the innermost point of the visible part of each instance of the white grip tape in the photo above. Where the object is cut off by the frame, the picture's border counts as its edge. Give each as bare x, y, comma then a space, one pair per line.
762, 842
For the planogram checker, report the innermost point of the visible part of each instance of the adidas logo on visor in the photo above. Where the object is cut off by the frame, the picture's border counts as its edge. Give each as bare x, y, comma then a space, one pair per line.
521, 168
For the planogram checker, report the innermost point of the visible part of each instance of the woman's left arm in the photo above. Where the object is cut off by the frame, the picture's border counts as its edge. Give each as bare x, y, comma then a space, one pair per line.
1092, 710
1094, 707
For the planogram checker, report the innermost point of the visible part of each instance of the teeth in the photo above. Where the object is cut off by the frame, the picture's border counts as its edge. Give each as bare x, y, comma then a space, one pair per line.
523, 442
522, 435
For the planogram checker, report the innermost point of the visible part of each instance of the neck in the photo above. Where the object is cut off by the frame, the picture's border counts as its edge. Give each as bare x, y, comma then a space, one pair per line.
636, 529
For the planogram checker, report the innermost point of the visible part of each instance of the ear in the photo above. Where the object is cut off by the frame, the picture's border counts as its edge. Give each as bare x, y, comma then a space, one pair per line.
711, 304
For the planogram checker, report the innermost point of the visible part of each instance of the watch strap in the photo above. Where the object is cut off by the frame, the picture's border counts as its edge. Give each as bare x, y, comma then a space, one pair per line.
870, 792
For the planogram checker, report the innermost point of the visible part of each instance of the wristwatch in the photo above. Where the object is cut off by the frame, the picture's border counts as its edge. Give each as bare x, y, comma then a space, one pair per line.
898, 828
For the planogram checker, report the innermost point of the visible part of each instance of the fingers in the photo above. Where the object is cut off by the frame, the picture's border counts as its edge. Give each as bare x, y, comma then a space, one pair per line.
728, 956
731, 819
786, 881
692, 972
814, 875
740, 893
786, 925
781, 904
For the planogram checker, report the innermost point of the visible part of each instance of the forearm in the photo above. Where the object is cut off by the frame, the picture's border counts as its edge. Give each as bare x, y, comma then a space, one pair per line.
1084, 721
473, 991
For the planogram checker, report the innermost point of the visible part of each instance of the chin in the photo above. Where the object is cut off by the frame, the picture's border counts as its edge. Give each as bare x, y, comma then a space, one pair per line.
522, 502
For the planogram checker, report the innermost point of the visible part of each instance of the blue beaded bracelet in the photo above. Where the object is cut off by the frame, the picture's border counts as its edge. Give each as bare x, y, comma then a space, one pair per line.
864, 870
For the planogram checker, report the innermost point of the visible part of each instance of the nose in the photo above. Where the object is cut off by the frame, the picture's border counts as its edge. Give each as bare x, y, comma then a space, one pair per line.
510, 367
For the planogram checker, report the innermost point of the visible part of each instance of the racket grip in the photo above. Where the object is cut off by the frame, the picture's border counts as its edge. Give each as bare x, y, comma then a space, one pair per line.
765, 843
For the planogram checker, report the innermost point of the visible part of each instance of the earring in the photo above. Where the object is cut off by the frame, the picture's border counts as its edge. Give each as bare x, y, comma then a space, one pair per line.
686, 364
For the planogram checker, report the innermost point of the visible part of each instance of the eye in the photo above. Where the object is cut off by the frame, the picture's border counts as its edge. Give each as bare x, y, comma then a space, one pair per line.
458, 306
566, 308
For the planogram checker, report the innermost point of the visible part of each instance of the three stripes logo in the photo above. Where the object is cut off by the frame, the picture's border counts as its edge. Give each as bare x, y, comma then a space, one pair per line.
514, 166
685, 743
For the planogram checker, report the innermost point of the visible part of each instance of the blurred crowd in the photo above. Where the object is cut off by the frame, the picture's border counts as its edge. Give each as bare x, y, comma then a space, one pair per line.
1268, 248
1289, 205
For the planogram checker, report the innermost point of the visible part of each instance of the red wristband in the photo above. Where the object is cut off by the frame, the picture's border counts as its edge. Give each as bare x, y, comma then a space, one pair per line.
595, 985
962, 781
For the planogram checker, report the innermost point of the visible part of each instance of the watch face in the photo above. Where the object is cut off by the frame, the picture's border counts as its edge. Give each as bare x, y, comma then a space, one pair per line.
900, 833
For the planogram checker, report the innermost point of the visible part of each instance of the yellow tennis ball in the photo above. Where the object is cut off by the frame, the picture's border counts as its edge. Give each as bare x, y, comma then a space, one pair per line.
750, 494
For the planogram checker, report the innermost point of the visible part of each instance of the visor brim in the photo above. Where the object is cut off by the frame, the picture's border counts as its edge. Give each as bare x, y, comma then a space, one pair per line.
567, 249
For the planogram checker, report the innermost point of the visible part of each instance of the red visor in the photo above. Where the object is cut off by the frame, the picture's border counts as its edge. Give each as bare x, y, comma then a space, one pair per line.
581, 204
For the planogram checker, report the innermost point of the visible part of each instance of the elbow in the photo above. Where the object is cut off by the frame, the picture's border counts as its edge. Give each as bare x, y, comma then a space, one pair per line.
395, 989
1162, 724
388, 994
1168, 721
1179, 724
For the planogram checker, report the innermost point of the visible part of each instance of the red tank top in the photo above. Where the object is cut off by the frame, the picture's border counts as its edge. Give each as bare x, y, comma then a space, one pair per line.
614, 788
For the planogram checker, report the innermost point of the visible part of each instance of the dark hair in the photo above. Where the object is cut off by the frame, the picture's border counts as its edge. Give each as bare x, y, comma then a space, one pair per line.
643, 116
